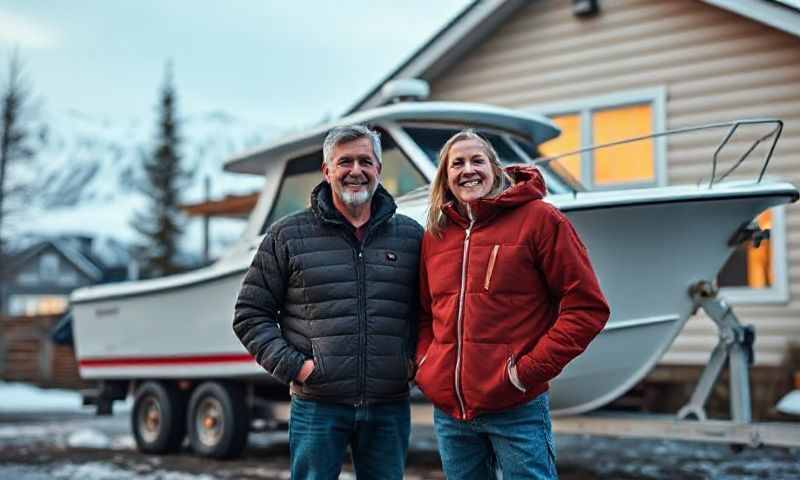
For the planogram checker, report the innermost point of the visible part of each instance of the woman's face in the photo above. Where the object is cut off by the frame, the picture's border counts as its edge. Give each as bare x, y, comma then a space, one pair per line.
469, 171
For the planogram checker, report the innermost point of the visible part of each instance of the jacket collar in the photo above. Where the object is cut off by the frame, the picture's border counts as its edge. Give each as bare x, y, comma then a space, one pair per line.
383, 207
528, 185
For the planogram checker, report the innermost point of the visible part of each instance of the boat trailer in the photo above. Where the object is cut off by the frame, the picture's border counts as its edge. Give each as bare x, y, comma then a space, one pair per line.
735, 346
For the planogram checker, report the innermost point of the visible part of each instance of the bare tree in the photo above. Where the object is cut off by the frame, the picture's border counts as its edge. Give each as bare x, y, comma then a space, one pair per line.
15, 140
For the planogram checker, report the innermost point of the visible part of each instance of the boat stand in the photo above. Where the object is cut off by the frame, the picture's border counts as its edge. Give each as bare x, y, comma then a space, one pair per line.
735, 346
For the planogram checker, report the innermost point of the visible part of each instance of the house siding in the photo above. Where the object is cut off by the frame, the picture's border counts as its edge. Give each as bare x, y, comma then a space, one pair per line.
714, 65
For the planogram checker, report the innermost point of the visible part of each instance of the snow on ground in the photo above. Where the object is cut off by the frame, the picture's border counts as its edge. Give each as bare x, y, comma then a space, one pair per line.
19, 397
100, 471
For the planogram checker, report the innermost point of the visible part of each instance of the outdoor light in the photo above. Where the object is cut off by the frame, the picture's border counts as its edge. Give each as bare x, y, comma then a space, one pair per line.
585, 8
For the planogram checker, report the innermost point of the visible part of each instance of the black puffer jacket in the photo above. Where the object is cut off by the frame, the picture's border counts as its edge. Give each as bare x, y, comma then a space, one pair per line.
314, 290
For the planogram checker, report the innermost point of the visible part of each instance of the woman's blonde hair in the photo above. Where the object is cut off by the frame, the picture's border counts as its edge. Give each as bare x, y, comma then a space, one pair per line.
440, 192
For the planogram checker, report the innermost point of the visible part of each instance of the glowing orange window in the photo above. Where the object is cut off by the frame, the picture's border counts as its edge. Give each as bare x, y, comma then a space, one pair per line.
629, 162
750, 266
569, 140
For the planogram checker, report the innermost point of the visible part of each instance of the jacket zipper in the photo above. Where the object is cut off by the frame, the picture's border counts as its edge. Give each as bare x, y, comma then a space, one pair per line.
363, 325
490, 268
460, 318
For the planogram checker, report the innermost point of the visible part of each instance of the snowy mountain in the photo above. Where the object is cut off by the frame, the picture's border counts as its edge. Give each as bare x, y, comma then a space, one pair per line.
86, 169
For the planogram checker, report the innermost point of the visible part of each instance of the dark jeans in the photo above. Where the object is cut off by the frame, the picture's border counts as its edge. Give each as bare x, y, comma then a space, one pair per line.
519, 441
319, 434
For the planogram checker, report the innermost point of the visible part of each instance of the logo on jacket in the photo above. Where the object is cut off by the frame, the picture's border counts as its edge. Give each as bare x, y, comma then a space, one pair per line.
391, 256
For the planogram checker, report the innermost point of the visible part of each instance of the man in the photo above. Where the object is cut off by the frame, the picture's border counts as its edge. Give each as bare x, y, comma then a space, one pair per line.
328, 305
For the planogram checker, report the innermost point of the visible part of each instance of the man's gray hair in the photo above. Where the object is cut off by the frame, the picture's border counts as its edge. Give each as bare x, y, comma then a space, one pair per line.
347, 134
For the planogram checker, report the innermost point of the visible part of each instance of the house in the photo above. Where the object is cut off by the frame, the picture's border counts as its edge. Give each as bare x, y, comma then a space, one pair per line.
38, 279
604, 70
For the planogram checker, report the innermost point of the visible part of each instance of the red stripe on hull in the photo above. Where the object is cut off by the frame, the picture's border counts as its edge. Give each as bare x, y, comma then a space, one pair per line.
155, 361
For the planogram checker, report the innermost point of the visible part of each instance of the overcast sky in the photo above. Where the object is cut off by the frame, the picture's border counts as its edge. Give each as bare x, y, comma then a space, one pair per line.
286, 63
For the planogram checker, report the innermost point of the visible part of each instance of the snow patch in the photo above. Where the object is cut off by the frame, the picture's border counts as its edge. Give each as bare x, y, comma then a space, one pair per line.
88, 438
18, 397
102, 471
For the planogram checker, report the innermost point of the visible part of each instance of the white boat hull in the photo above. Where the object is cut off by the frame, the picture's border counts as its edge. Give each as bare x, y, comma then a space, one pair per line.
180, 327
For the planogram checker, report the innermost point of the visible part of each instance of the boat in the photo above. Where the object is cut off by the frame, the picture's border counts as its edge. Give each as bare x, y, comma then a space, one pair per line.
649, 247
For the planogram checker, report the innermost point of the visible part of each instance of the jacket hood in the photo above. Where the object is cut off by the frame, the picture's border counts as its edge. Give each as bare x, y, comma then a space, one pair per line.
528, 186
383, 206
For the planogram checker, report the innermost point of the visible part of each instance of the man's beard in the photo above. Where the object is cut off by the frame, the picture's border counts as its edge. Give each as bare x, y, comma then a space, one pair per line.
356, 199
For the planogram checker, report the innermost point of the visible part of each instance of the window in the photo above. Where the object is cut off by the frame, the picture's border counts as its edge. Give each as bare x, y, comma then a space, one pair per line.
431, 140
759, 274
68, 278
48, 267
398, 176
605, 120
30, 305
301, 176
28, 277
509, 149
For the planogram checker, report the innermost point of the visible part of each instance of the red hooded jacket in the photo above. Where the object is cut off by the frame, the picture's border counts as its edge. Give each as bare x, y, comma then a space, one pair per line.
511, 292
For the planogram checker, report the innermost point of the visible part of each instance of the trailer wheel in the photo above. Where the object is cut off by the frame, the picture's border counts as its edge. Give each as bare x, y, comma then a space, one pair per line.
157, 417
218, 420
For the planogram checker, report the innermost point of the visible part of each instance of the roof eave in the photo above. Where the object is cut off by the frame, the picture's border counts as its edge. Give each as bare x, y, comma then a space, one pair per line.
776, 15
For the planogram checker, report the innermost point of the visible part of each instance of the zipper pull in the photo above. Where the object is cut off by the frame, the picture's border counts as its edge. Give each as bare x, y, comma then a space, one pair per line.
471, 221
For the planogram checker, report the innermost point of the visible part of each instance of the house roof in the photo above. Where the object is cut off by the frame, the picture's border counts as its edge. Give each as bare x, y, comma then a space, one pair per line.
76, 258
481, 18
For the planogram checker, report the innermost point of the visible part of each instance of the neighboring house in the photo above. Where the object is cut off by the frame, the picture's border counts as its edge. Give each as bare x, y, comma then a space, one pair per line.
639, 66
38, 280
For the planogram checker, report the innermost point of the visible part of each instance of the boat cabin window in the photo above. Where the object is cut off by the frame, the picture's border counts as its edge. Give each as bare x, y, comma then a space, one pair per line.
398, 176
430, 140
557, 179
301, 176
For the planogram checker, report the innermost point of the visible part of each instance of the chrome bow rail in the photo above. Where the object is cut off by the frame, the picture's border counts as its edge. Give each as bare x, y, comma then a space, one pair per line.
733, 126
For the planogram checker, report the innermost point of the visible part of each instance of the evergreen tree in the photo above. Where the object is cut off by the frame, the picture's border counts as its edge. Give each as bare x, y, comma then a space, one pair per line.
160, 224
15, 144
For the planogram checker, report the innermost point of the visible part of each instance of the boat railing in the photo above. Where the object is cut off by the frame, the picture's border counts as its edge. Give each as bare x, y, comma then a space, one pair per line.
732, 126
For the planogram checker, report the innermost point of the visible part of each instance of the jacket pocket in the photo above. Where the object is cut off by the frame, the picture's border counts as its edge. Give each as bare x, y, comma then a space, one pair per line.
513, 377
490, 267
435, 375
484, 377
319, 366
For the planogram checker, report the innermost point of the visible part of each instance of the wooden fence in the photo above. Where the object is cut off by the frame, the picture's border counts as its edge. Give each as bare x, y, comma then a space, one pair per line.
28, 355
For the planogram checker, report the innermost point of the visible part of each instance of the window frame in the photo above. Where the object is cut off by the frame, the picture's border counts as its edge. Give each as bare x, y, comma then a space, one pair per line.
584, 107
778, 292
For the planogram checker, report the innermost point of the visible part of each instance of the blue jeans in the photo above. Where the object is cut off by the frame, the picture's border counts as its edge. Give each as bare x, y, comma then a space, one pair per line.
319, 434
519, 441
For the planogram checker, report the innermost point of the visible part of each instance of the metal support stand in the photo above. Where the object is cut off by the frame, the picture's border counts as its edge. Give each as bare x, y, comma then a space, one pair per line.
735, 346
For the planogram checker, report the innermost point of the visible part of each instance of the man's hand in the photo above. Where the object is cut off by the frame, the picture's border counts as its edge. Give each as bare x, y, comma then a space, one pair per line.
305, 371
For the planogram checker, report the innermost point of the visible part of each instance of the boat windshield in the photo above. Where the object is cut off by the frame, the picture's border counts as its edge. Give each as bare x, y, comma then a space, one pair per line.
510, 150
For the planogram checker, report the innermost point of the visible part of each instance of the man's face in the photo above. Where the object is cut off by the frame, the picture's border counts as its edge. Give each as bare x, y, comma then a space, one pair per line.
469, 171
353, 172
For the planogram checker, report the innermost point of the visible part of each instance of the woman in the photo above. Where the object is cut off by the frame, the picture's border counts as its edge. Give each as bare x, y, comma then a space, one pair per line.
508, 298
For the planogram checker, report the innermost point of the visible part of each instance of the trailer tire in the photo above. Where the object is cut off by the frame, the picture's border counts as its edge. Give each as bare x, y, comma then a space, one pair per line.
157, 417
218, 420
